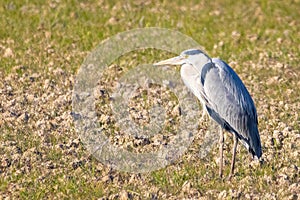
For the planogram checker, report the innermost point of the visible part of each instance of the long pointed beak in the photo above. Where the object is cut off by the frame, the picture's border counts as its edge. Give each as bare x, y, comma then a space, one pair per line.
179, 60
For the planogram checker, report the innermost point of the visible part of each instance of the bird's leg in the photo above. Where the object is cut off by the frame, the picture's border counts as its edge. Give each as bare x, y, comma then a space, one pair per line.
221, 141
233, 156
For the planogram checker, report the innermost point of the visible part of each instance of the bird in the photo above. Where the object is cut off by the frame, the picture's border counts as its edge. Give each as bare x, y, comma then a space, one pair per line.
224, 98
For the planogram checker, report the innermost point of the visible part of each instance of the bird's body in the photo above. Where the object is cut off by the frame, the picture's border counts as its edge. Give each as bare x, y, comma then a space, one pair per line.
223, 96
231, 105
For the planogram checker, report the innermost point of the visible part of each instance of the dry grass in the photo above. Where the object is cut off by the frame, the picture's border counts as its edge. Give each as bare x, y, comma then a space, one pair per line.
42, 45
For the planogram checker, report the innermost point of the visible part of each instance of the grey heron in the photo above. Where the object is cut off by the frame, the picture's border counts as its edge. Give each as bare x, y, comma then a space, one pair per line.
223, 96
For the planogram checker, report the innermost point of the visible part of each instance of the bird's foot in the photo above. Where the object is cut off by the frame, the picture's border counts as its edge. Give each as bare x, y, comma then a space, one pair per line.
229, 178
220, 178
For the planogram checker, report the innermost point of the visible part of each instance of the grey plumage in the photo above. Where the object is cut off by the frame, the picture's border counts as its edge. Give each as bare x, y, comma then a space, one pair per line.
231, 105
223, 96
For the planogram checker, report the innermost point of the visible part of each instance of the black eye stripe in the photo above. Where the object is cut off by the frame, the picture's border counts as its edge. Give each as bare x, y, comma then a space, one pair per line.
192, 52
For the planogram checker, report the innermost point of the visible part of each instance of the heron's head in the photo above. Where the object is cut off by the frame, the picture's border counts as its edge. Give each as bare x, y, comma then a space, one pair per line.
193, 57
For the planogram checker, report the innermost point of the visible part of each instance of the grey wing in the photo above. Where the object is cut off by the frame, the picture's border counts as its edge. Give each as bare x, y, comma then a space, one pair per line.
229, 103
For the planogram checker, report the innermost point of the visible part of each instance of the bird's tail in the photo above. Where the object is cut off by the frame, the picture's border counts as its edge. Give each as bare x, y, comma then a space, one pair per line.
255, 144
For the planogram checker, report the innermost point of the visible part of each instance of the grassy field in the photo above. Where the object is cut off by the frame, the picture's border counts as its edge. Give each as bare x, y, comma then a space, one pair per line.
42, 46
